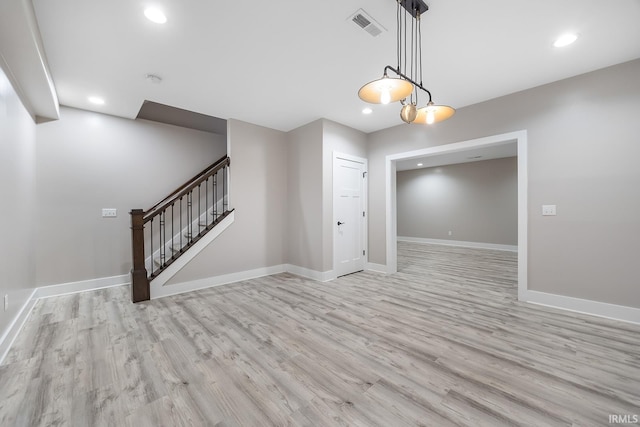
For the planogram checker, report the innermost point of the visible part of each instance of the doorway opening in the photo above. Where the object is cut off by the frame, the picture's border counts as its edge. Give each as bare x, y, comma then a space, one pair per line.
517, 139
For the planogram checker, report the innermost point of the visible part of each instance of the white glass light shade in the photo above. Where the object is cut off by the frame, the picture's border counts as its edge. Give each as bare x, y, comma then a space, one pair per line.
385, 90
434, 113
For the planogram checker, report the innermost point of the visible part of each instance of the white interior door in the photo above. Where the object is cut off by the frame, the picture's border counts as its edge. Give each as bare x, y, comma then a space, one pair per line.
349, 178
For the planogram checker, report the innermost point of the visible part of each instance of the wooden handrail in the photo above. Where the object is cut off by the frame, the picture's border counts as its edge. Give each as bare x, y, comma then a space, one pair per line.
186, 224
186, 188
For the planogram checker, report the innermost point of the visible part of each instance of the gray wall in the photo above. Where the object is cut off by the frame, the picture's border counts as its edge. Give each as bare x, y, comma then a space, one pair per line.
88, 161
583, 149
477, 202
17, 189
304, 196
281, 188
258, 193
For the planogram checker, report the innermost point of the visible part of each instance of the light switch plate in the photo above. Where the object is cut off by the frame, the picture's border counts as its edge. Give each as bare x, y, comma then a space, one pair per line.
548, 210
109, 213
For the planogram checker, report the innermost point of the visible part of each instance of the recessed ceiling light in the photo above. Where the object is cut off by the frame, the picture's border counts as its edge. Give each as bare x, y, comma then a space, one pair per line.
367, 111
96, 100
565, 40
155, 15
419, 164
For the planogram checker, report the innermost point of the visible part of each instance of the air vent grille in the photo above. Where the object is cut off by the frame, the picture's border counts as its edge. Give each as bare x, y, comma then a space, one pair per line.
361, 20
367, 23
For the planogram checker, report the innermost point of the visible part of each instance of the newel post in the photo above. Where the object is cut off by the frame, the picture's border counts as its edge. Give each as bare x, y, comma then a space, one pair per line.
139, 280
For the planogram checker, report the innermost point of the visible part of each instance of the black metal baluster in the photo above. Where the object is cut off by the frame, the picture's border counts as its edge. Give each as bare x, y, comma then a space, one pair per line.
163, 239
206, 202
180, 230
151, 236
224, 189
199, 209
160, 226
172, 231
215, 198
190, 216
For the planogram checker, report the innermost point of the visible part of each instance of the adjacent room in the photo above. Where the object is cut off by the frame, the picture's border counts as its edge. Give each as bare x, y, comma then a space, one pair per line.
371, 213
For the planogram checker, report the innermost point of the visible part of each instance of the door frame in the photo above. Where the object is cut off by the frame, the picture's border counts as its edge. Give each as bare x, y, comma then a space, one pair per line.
519, 138
365, 204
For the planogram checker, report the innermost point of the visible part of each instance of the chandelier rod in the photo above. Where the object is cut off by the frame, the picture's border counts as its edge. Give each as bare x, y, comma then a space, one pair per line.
405, 77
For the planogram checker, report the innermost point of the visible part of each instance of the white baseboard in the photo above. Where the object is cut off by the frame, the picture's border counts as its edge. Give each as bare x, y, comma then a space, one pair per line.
594, 308
495, 246
81, 286
320, 276
16, 325
226, 279
209, 282
378, 268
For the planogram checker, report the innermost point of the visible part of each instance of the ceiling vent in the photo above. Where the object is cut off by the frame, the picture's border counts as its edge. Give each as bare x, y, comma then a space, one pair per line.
363, 20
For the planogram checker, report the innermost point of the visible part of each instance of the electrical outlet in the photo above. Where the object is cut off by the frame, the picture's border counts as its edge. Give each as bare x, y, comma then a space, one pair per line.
450, 232
6, 302
109, 213
548, 210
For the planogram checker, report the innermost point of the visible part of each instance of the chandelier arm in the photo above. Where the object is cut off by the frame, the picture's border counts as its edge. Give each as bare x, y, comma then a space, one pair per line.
400, 74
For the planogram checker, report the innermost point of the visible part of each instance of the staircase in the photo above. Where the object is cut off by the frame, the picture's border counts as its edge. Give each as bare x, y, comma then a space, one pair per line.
166, 231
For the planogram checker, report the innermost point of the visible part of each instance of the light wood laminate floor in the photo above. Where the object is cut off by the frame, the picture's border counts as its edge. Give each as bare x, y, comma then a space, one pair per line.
443, 342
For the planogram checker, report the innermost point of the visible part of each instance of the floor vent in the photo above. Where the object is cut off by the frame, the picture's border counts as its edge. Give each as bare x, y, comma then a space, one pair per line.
363, 20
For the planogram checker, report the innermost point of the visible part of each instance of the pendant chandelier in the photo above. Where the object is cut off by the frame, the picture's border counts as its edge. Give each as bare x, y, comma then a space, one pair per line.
403, 86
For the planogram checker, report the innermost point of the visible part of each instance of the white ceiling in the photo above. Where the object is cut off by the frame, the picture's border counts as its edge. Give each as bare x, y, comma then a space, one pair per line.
509, 149
285, 63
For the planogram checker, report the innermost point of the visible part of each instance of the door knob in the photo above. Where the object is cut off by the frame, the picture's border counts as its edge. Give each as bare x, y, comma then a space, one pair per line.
340, 223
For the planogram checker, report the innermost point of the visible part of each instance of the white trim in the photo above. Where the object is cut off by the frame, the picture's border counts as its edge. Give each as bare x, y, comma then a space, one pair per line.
365, 205
523, 214
190, 254
81, 286
349, 157
25, 63
519, 137
494, 246
320, 276
11, 333
391, 229
594, 308
377, 268
226, 279
209, 282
